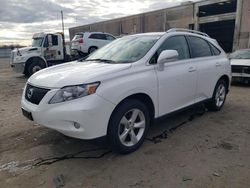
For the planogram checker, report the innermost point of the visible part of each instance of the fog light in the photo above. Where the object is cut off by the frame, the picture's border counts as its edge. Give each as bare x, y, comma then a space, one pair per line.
77, 125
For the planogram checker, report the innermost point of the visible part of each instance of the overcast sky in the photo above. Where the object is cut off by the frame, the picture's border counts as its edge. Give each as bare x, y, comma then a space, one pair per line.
19, 19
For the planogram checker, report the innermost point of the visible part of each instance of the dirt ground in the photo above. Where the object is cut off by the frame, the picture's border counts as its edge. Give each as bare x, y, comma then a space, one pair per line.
201, 150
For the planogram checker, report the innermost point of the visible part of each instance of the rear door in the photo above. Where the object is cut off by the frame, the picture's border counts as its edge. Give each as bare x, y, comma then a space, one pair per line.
109, 38
208, 65
98, 40
177, 82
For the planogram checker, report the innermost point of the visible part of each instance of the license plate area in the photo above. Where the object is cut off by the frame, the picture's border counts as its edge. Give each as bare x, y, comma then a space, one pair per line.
27, 114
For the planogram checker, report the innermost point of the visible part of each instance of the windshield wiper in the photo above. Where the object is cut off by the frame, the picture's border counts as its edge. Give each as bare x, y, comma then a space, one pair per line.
102, 60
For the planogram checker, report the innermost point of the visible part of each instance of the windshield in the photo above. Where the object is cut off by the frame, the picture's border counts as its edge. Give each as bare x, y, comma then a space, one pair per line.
125, 50
37, 42
240, 54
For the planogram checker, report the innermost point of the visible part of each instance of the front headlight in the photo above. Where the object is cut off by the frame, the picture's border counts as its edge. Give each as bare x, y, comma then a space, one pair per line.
74, 92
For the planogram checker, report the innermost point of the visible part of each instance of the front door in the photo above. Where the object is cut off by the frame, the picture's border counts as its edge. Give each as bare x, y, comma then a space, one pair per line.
53, 49
177, 82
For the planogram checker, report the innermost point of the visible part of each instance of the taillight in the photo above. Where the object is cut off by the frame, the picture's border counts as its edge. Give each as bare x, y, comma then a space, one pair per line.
81, 41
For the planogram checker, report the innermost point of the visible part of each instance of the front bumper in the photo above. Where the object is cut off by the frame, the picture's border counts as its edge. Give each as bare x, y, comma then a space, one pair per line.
240, 75
18, 67
91, 115
240, 71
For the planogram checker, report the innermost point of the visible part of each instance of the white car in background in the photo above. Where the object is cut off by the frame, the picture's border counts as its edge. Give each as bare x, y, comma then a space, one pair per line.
120, 89
240, 62
88, 42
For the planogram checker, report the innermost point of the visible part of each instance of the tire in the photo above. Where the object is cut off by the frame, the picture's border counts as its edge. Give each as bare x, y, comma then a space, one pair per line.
92, 49
125, 132
34, 66
219, 96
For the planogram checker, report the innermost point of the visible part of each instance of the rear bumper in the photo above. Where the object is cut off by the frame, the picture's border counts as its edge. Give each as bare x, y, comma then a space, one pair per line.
18, 67
80, 48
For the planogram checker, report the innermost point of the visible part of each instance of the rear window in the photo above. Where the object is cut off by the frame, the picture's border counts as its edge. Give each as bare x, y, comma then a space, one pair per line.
215, 50
78, 36
199, 47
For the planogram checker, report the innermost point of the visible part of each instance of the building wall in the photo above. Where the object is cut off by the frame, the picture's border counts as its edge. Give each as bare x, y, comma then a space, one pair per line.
181, 16
155, 21
244, 31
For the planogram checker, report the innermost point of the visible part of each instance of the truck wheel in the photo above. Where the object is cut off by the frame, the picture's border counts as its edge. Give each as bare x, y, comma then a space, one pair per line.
35, 66
128, 126
92, 49
219, 96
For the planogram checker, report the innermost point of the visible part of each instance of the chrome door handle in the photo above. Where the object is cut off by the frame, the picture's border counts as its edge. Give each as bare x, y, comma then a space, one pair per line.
191, 69
218, 64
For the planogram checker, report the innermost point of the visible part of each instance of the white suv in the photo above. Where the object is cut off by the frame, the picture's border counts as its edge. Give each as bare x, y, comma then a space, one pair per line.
88, 42
120, 89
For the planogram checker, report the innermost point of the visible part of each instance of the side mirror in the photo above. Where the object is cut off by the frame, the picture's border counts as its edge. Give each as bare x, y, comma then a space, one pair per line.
167, 56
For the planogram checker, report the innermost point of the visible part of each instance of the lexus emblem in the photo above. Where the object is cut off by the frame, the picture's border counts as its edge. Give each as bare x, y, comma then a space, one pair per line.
30, 93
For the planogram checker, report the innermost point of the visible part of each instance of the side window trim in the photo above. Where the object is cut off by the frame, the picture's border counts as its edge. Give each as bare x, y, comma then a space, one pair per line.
189, 48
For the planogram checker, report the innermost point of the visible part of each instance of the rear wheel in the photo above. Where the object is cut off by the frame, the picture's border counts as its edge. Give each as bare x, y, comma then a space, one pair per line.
92, 49
219, 96
128, 126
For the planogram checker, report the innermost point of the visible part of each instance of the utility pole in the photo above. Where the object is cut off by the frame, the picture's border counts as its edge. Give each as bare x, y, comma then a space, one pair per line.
62, 22
64, 48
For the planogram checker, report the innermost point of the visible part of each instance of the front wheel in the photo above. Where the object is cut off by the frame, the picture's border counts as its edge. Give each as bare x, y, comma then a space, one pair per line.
34, 67
128, 126
219, 96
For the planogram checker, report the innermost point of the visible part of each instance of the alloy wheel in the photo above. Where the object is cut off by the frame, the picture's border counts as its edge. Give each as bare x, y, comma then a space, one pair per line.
131, 127
220, 95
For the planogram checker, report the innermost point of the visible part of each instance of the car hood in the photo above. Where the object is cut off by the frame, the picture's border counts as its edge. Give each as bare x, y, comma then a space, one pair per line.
26, 49
74, 73
242, 62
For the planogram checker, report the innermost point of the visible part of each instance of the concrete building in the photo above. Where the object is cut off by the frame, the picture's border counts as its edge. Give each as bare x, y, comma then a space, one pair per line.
228, 21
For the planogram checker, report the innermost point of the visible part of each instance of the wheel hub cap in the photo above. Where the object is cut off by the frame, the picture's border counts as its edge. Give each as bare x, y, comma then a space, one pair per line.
131, 127
220, 95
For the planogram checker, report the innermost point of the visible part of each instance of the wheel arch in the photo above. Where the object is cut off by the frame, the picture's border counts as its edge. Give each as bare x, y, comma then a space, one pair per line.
226, 79
146, 99
34, 58
92, 47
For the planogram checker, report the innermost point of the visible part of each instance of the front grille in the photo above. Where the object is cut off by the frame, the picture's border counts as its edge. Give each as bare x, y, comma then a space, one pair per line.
240, 69
34, 94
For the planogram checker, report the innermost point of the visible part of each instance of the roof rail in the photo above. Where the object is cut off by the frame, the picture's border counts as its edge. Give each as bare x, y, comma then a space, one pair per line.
187, 30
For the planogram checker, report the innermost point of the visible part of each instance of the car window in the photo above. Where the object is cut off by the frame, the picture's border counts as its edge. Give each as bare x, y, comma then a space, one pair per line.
98, 36
54, 40
125, 50
215, 50
199, 47
109, 37
78, 36
177, 43
46, 42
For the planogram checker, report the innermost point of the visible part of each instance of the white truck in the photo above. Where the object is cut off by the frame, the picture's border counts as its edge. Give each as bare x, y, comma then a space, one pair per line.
47, 49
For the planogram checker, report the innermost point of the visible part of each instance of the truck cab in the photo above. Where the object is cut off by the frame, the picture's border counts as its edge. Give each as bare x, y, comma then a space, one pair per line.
47, 49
